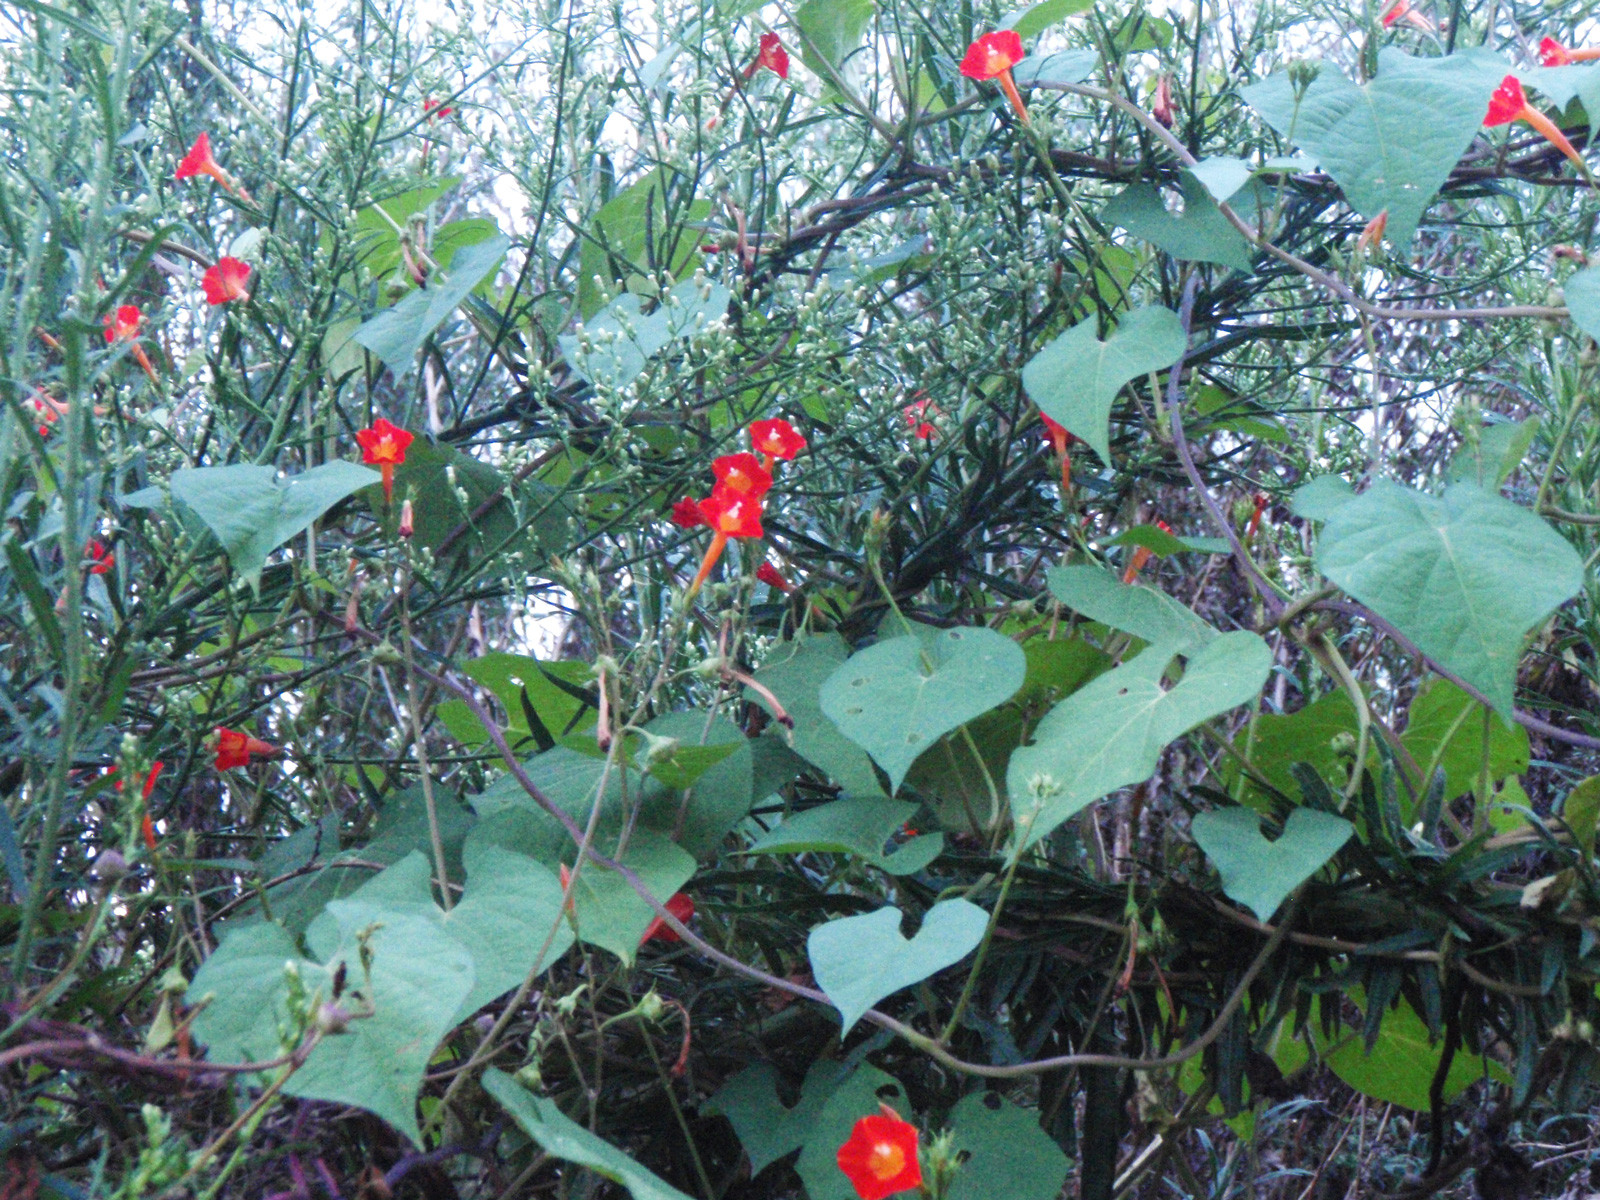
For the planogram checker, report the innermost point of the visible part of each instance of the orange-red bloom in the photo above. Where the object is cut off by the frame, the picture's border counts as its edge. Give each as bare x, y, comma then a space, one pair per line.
123, 326
225, 281
436, 109
384, 444
147, 828
731, 514
1401, 10
1161, 106
199, 162
678, 905
772, 56
742, 473
234, 748
1141, 555
916, 415
686, 514
991, 57
1509, 103
1553, 54
774, 439
1261, 500
770, 575
101, 560
881, 1156
1062, 439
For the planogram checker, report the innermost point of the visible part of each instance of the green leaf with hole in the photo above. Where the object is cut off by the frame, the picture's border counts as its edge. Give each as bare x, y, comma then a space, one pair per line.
1111, 732
1075, 379
858, 961
559, 1136
1260, 874
1008, 1156
397, 333
1200, 233
861, 827
898, 697
1142, 611
1389, 143
253, 512
855, 1095
1464, 576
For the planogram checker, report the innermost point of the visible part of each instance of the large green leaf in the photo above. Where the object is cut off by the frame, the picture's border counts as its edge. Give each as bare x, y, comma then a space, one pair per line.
795, 674
1495, 451
1391, 142
858, 961
897, 697
1313, 735
1402, 1063
858, 826
700, 793
1444, 729
1464, 576
397, 333
609, 913
1582, 291
1034, 19
855, 1095
633, 230
1200, 233
1142, 611
253, 512
1260, 874
767, 1129
1111, 732
1075, 379
832, 28
1009, 1156
420, 976
561, 1137
532, 695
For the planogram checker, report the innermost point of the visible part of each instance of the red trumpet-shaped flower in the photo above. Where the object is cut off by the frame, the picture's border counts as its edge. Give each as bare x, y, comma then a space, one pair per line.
99, 557
1141, 555
770, 575
991, 57
234, 749
199, 162
436, 109
147, 828
742, 473
686, 514
678, 905
774, 439
1509, 104
772, 56
123, 326
1401, 10
385, 445
916, 414
880, 1158
1161, 105
224, 282
1553, 54
1061, 438
731, 514
1260, 500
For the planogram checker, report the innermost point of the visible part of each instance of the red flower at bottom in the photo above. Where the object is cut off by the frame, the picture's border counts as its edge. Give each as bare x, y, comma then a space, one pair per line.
678, 905
234, 748
881, 1156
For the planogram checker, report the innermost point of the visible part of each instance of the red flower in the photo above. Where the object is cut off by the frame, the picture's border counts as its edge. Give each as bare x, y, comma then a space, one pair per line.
123, 326
385, 445
1062, 439
679, 906
225, 281
1372, 234
686, 514
101, 560
881, 1156
1401, 10
1261, 500
435, 109
1141, 555
742, 473
991, 57
1553, 54
770, 575
234, 748
1161, 106
1508, 103
773, 56
199, 162
916, 415
731, 514
774, 439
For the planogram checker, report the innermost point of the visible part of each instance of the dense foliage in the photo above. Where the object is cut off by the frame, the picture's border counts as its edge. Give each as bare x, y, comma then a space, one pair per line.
756, 601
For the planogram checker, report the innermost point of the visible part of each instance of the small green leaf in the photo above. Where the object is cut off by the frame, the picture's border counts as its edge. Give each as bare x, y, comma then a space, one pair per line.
1144, 612
1276, 741
834, 28
1499, 451
1153, 538
896, 698
1075, 379
397, 333
715, 765
1011, 1158
1064, 66
1033, 20
1111, 732
1221, 176
610, 913
860, 827
1199, 234
561, 1137
858, 961
1582, 291
252, 512
1260, 874
1464, 576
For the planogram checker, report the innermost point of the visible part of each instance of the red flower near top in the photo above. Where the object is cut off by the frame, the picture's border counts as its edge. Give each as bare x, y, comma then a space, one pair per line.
123, 326
742, 473
101, 560
199, 162
770, 575
224, 282
384, 444
774, 439
1508, 103
916, 415
234, 748
991, 57
1553, 54
678, 905
1401, 10
881, 1156
773, 56
686, 514
436, 109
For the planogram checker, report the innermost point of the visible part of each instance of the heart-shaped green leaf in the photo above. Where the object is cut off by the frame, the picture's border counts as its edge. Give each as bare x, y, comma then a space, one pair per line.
767, 1130
1009, 1156
1075, 379
610, 913
1400, 1067
1257, 873
1391, 142
858, 961
252, 512
1464, 576
1199, 234
859, 827
1110, 733
856, 1095
1444, 730
897, 698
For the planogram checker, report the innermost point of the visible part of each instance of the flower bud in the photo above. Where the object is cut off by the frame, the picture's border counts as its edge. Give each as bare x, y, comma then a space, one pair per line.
407, 520
331, 1019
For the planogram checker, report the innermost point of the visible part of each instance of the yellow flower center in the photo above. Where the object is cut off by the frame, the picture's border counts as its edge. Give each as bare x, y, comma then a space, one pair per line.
886, 1160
